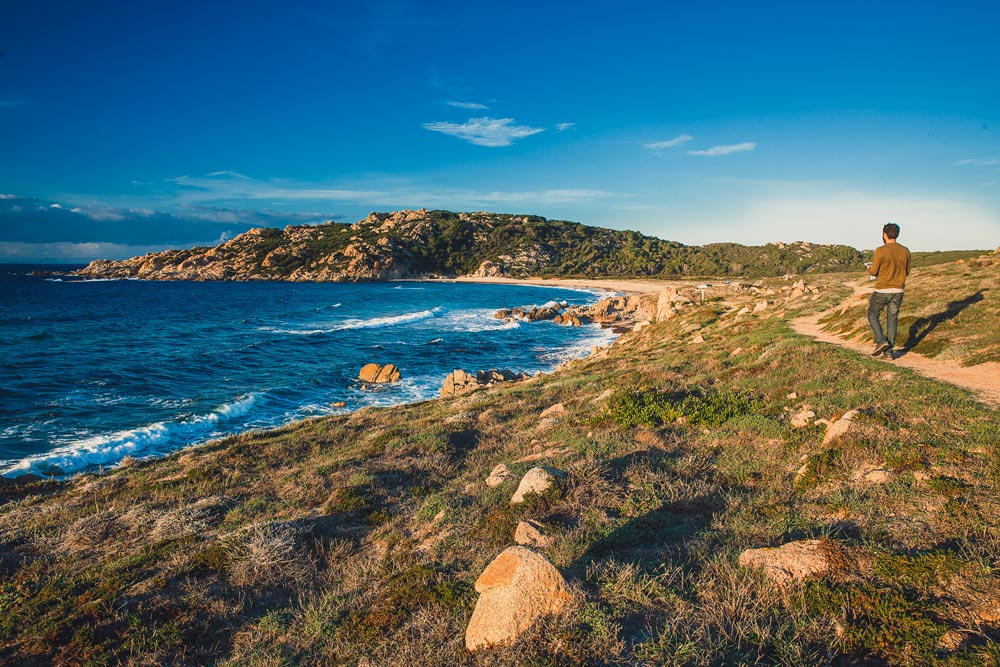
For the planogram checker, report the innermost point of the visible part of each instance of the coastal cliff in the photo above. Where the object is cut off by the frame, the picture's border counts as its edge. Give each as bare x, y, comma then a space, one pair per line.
422, 243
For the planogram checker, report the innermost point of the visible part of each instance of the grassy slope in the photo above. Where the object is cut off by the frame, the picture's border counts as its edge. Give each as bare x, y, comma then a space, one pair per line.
361, 536
950, 311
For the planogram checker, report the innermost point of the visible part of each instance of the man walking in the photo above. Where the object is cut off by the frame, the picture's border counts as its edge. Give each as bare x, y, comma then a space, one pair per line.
890, 266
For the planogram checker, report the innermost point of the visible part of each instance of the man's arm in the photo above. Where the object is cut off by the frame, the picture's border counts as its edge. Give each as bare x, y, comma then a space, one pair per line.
876, 261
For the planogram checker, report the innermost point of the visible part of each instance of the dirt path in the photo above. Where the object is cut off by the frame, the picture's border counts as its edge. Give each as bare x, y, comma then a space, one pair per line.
983, 379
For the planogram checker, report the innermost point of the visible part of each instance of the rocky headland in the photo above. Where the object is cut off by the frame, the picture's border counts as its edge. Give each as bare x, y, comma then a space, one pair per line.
422, 243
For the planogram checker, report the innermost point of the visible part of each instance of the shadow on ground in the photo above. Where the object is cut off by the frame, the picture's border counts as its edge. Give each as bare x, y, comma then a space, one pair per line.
923, 326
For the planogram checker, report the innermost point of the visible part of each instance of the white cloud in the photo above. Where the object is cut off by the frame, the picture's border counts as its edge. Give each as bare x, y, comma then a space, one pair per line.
8, 196
669, 143
562, 127
466, 105
492, 132
231, 174
74, 252
225, 185
980, 162
715, 151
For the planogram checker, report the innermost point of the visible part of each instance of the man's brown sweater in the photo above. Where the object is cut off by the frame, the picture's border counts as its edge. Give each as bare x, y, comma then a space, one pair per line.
891, 264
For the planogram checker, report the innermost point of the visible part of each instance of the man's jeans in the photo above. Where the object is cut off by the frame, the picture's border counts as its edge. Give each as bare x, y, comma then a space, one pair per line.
890, 303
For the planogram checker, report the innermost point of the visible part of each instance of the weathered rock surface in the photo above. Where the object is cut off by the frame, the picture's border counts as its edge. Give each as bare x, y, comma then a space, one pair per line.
554, 410
839, 427
790, 562
518, 588
498, 476
531, 533
459, 381
537, 480
383, 247
803, 417
378, 374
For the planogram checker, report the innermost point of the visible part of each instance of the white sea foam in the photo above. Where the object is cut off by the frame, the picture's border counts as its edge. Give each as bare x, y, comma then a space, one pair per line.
478, 320
582, 348
143, 441
370, 323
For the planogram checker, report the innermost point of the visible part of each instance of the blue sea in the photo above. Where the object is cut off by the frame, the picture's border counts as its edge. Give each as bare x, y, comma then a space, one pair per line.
92, 371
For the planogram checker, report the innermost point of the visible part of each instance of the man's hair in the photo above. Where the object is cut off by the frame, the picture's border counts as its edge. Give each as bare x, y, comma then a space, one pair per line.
891, 230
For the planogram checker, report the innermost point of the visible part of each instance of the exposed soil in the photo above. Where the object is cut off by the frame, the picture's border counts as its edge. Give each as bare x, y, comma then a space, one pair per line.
984, 379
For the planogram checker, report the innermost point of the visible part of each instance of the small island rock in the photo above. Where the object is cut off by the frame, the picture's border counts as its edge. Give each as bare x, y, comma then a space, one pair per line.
377, 374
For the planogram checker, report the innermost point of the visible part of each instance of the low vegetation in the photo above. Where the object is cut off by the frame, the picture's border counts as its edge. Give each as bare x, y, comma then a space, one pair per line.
357, 539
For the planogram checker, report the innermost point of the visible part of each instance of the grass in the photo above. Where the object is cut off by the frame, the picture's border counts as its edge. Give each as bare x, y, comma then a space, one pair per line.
358, 539
949, 312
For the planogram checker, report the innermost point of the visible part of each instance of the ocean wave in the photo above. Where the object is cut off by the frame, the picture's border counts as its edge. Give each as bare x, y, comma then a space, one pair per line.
106, 450
581, 348
370, 323
472, 321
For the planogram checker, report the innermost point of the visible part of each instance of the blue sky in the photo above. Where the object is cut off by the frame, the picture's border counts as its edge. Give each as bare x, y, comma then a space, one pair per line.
126, 127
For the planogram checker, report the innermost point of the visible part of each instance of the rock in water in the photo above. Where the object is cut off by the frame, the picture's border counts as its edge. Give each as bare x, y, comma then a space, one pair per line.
790, 562
516, 589
376, 374
537, 480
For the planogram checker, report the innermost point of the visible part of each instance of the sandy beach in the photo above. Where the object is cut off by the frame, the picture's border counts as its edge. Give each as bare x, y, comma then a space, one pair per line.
620, 285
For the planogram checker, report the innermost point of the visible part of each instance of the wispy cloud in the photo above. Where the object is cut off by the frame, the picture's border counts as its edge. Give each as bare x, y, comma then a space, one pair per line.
466, 105
492, 132
679, 140
980, 162
232, 174
728, 149
562, 127
9, 103
230, 185
539, 196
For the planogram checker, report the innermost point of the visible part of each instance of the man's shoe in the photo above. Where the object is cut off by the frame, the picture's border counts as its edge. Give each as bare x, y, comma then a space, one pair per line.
880, 348
888, 354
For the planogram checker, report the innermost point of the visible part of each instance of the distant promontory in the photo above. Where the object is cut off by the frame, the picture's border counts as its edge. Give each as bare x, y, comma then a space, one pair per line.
422, 243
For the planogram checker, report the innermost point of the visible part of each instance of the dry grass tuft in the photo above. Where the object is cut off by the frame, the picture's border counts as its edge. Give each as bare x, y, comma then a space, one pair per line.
267, 554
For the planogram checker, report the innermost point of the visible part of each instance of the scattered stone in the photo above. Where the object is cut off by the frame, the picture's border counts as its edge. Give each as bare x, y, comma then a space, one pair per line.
639, 326
697, 340
499, 475
518, 588
839, 427
530, 533
951, 640
377, 374
743, 311
737, 352
802, 418
792, 396
338, 404
790, 562
761, 306
537, 480
871, 475
553, 410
